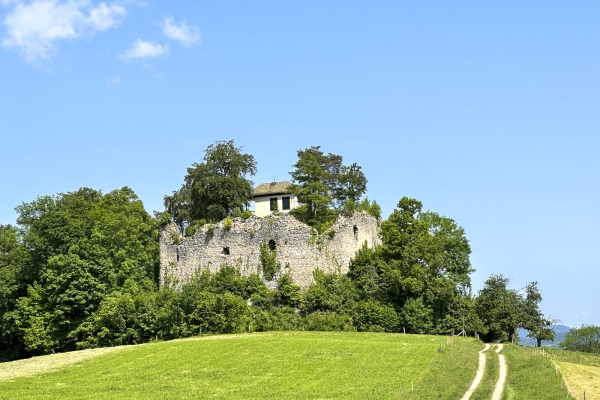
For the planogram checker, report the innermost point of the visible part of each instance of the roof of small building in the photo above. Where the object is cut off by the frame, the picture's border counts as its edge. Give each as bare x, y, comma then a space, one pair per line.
265, 189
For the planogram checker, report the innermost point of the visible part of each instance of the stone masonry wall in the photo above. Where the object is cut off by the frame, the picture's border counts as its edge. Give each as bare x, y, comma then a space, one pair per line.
298, 252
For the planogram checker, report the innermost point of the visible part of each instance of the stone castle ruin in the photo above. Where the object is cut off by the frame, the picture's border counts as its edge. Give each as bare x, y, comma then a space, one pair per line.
298, 250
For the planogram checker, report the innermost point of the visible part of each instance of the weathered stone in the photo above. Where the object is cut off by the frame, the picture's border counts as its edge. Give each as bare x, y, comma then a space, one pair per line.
299, 252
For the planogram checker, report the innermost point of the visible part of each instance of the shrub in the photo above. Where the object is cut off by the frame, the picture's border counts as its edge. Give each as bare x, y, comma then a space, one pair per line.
373, 316
228, 222
268, 261
210, 230
328, 321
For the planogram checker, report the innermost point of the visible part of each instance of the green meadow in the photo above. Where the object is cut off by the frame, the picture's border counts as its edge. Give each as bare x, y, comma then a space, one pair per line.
258, 366
282, 365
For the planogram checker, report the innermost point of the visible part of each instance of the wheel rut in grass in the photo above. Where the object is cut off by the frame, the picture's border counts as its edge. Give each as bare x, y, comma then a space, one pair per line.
497, 395
478, 375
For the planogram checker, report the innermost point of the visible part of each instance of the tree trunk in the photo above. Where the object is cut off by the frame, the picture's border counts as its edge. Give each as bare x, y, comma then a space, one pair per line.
539, 342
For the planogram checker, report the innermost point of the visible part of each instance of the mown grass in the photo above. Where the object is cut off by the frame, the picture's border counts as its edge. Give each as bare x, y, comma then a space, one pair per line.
581, 372
531, 376
301, 365
574, 357
490, 376
581, 379
450, 373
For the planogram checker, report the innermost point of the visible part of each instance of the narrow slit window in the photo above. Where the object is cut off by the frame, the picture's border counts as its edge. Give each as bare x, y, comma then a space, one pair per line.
273, 201
285, 203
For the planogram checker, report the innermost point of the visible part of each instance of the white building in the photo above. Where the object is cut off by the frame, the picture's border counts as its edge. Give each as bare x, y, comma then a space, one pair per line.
273, 197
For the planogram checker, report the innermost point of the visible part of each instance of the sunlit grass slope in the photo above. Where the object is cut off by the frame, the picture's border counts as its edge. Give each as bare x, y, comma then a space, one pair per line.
268, 365
581, 372
531, 376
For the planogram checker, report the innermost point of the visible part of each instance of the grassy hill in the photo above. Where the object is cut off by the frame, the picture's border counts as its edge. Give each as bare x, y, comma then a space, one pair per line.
268, 365
279, 365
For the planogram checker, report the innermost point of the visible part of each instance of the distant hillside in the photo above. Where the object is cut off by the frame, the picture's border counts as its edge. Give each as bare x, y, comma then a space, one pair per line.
560, 330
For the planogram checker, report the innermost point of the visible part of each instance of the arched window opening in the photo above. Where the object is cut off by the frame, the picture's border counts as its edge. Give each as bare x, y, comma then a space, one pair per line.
272, 245
355, 229
226, 251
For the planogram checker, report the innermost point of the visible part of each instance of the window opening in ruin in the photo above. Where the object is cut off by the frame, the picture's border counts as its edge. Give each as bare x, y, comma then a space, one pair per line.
226, 251
355, 229
272, 245
177, 251
273, 201
285, 203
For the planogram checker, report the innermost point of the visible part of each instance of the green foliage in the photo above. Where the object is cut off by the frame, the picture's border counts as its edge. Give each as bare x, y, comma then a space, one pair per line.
210, 230
584, 339
309, 186
350, 207
331, 293
228, 222
500, 309
328, 321
191, 229
288, 293
372, 316
241, 214
78, 247
268, 261
214, 187
321, 181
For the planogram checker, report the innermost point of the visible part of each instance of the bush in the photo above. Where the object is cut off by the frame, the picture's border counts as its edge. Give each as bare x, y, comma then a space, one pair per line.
228, 222
328, 321
373, 316
268, 261
241, 214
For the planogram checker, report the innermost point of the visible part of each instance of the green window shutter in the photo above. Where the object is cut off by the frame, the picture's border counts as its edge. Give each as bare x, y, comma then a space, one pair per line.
285, 203
273, 201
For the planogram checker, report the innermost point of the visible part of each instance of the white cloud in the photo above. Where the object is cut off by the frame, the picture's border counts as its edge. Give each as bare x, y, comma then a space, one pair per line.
104, 17
186, 34
143, 49
35, 28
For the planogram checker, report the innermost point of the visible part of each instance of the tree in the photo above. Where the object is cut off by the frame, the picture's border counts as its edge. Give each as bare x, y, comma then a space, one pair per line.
500, 309
14, 262
351, 184
308, 184
81, 246
585, 339
344, 183
539, 326
215, 187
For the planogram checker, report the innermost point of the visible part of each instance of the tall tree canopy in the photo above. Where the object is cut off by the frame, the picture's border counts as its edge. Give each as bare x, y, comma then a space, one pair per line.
321, 182
214, 187
422, 268
71, 250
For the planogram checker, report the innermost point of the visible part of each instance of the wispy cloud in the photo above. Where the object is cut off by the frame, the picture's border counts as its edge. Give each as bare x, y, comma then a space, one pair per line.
184, 33
34, 29
114, 81
144, 49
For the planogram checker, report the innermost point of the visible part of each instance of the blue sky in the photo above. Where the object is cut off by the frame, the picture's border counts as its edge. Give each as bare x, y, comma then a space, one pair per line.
487, 113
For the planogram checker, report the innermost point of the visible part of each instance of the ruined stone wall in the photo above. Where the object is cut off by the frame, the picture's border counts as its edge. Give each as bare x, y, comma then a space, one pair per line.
299, 252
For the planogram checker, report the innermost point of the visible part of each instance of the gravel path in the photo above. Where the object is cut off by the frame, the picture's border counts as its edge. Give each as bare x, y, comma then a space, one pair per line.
497, 395
478, 375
